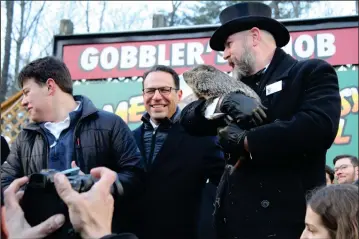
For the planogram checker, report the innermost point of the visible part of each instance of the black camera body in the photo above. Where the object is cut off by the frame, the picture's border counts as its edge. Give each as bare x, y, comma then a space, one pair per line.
41, 201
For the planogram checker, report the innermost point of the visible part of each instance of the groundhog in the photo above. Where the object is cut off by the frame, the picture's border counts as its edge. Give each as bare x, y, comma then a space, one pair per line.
208, 82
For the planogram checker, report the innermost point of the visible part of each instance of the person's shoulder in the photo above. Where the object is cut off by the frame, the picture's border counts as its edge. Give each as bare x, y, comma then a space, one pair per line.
137, 129
315, 64
103, 115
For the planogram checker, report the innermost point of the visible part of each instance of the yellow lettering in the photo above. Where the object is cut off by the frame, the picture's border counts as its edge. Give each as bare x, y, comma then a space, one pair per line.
355, 100
136, 109
121, 110
340, 138
345, 106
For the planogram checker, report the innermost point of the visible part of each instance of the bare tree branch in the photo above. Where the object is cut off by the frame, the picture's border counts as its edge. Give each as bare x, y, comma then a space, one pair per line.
102, 15
20, 39
35, 19
7, 49
172, 15
87, 16
24, 30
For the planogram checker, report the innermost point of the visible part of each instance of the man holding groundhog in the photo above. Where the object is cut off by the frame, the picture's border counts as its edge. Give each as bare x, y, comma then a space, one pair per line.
263, 196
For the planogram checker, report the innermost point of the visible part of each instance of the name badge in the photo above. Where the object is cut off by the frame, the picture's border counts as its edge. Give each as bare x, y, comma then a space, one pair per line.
273, 88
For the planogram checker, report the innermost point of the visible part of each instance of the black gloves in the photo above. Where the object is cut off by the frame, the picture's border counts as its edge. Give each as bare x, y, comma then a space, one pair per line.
231, 139
244, 110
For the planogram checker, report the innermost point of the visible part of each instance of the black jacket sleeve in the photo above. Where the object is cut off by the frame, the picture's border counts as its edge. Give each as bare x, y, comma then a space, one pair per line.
314, 126
12, 169
127, 155
193, 120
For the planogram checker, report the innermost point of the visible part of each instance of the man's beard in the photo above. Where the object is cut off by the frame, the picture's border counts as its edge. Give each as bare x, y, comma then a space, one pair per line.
245, 65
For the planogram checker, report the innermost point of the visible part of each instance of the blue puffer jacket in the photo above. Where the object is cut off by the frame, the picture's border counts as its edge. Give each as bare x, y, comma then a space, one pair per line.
100, 139
153, 139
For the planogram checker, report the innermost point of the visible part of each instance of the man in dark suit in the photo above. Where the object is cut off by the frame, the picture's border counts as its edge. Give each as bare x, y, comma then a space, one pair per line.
263, 195
177, 164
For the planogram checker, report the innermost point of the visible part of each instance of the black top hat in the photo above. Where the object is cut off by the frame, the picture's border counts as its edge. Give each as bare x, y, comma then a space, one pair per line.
244, 16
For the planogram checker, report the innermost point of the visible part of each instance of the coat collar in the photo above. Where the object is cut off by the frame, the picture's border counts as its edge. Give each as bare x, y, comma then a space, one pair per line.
280, 66
88, 108
165, 122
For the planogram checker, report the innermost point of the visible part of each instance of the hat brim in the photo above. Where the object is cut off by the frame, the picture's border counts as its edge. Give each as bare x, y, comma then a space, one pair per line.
277, 29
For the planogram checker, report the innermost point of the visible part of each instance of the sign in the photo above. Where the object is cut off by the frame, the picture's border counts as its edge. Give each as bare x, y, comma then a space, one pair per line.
125, 59
125, 99
346, 141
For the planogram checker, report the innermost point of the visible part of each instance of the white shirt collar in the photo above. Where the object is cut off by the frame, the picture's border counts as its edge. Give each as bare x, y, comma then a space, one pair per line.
56, 128
154, 125
266, 67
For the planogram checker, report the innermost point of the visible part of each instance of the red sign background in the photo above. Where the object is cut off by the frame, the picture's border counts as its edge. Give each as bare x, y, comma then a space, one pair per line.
344, 50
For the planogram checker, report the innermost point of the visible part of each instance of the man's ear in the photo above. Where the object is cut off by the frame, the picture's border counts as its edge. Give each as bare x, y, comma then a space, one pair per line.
179, 94
255, 36
51, 86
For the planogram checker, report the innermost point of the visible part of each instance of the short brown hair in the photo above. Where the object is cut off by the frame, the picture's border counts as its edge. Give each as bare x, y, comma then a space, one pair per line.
353, 159
44, 68
337, 205
165, 69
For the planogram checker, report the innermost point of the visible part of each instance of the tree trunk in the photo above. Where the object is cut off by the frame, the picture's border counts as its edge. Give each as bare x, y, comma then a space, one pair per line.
276, 10
296, 9
7, 49
102, 15
87, 16
20, 40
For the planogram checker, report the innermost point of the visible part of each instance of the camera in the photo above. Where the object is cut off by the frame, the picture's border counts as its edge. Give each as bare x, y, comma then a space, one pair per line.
41, 201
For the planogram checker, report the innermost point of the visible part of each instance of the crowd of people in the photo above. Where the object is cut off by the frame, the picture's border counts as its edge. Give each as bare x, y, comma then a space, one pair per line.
187, 174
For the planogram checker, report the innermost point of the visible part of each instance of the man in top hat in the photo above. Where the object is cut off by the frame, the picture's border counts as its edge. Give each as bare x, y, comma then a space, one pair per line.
263, 195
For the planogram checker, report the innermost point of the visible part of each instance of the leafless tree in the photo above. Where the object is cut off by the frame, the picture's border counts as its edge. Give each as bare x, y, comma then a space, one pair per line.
104, 4
7, 50
173, 14
87, 15
26, 25
125, 18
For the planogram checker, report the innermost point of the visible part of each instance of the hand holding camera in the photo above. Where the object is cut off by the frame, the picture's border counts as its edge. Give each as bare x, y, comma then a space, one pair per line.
62, 205
90, 212
16, 223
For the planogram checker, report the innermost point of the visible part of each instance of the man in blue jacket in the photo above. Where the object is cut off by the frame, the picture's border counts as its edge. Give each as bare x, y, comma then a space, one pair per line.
68, 130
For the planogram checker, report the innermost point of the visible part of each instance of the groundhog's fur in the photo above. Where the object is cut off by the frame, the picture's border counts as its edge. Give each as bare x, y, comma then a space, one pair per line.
208, 82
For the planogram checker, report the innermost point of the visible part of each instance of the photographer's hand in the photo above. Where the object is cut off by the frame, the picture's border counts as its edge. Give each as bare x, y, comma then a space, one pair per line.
90, 212
16, 223
73, 165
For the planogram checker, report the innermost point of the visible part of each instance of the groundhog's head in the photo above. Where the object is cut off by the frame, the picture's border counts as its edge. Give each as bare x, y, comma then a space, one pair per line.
207, 81
199, 73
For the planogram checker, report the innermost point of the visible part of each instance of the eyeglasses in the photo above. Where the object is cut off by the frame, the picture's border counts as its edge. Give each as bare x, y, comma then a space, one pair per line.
163, 90
341, 167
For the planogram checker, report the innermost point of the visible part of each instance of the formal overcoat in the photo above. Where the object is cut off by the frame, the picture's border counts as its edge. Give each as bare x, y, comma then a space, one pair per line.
174, 183
266, 196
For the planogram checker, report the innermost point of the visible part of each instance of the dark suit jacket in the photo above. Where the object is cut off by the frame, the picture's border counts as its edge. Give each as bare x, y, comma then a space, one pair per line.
170, 205
265, 197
